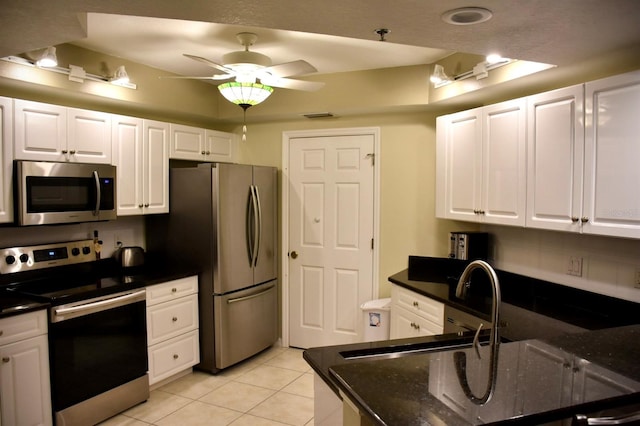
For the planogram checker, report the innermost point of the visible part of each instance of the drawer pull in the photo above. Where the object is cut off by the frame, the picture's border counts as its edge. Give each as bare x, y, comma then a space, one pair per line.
174, 290
416, 304
175, 356
174, 319
6, 359
416, 326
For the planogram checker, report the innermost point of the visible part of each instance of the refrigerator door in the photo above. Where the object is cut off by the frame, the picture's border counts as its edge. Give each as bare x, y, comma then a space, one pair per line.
246, 323
265, 181
233, 202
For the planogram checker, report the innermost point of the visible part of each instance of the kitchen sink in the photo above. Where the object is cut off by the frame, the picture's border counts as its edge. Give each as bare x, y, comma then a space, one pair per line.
391, 350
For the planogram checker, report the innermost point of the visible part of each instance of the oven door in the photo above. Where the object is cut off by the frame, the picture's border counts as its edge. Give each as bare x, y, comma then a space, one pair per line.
50, 193
96, 345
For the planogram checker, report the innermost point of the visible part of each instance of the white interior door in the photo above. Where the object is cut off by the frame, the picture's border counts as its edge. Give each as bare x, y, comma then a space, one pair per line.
331, 231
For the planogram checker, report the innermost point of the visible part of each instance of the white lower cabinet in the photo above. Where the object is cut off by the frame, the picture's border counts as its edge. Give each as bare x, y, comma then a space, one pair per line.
414, 315
172, 328
25, 392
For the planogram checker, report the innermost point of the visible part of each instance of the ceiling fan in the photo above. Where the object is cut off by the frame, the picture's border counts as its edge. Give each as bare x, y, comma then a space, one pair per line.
248, 67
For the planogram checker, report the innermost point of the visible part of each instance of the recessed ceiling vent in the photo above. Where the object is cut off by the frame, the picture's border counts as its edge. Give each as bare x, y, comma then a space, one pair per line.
467, 16
318, 115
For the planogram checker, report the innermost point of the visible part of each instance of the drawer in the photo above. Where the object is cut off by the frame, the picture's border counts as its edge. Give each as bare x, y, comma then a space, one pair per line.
173, 356
170, 319
418, 304
23, 326
406, 324
171, 290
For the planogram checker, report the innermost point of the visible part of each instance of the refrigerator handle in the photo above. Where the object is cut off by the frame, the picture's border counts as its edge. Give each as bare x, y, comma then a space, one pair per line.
259, 225
256, 225
249, 225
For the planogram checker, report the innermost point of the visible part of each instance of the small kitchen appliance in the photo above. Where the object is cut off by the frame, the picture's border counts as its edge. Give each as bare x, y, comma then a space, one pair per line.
469, 245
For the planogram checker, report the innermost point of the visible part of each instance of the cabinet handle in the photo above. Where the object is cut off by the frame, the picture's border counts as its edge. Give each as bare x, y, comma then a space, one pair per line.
574, 219
203, 152
174, 319
481, 212
64, 151
175, 356
1, 332
174, 290
146, 204
6, 359
208, 152
416, 326
584, 219
416, 304
72, 152
140, 205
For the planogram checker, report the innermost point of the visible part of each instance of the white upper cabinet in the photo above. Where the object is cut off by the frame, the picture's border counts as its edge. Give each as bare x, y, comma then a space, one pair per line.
612, 156
155, 177
555, 139
6, 160
45, 132
141, 155
197, 144
481, 164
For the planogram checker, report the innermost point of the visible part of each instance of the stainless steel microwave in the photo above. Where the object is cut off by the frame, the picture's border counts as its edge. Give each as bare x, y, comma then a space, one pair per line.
51, 193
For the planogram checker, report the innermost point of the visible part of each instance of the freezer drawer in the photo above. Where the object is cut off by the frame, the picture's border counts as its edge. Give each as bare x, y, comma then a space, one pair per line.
246, 322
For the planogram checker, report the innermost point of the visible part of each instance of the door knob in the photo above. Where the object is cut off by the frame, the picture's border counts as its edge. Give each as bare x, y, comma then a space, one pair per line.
294, 254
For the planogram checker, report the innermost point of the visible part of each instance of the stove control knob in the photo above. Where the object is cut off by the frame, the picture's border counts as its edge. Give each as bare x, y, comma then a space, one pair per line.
24, 258
10, 260
86, 250
75, 251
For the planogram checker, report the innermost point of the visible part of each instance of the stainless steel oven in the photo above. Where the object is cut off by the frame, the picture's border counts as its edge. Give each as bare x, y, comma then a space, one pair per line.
97, 327
98, 355
50, 192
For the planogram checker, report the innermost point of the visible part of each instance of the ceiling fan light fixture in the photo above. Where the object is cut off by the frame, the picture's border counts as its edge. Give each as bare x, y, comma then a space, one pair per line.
245, 94
467, 16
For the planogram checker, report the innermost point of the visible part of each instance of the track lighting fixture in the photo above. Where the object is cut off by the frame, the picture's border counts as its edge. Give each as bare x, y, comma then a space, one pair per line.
48, 58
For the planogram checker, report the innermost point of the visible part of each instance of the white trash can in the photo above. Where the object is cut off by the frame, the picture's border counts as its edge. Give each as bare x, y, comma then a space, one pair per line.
376, 319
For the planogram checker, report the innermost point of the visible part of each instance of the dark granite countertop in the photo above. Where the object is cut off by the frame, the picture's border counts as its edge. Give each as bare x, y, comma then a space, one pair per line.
156, 270
537, 381
540, 318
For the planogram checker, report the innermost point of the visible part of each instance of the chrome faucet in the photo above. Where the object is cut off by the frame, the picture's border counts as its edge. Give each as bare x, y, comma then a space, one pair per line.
494, 340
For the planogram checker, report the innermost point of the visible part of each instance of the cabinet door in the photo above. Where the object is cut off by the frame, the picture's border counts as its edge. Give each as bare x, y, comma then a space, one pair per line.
504, 163
187, 143
220, 146
156, 167
461, 151
127, 155
40, 131
6, 160
24, 382
555, 138
612, 155
89, 136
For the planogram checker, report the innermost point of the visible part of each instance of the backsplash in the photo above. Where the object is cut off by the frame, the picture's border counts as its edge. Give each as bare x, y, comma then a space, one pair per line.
609, 265
128, 229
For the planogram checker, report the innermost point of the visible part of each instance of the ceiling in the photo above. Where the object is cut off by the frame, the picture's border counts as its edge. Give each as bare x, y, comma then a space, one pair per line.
332, 35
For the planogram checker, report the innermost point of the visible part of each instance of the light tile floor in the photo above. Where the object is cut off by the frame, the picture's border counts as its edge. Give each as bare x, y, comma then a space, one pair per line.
274, 388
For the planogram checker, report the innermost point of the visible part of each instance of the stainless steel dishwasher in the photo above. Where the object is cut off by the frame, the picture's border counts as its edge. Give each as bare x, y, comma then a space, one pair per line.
457, 321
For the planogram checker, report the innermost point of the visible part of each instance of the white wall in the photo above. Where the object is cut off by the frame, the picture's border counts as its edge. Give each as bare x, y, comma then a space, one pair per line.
130, 230
608, 264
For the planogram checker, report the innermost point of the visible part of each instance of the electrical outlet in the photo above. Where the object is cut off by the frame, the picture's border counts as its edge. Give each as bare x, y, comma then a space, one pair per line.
574, 266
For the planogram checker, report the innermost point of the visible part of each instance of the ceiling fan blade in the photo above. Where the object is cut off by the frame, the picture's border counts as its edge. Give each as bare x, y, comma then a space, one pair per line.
288, 83
288, 69
210, 63
212, 77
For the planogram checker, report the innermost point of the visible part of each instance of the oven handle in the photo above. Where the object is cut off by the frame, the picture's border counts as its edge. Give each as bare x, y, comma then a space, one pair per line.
62, 314
96, 178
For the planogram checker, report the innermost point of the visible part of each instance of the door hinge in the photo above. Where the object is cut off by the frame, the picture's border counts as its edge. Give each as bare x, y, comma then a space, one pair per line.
372, 244
372, 156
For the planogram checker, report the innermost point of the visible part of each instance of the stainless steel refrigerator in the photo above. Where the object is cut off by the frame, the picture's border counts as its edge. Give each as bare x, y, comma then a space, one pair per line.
223, 219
